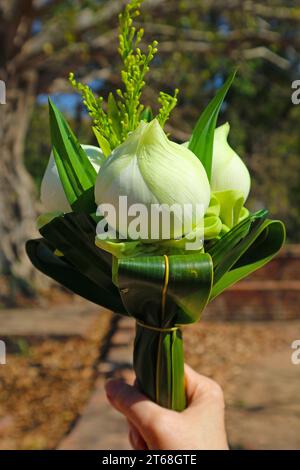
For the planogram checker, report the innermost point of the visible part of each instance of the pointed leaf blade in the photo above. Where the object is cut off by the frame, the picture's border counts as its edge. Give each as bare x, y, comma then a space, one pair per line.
202, 139
57, 268
261, 244
76, 172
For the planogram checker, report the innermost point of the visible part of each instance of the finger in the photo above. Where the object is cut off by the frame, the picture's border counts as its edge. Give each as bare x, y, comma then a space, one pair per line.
133, 404
135, 439
197, 386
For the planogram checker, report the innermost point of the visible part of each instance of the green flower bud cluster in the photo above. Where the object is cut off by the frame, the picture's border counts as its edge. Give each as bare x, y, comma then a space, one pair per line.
123, 112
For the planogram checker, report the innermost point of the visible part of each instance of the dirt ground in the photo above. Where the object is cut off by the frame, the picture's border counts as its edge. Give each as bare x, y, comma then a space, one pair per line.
45, 385
252, 362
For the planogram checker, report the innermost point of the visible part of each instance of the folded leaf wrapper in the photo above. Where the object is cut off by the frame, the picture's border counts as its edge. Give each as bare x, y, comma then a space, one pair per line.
162, 293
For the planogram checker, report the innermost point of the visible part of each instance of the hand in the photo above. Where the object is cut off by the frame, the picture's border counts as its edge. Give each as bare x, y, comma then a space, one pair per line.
199, 427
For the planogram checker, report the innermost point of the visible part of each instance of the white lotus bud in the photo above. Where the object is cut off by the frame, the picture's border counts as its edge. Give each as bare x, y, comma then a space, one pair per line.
228, 170
150, 170
53, 196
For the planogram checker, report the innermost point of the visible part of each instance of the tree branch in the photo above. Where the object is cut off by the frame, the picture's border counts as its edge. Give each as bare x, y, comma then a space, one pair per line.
87, 20
266, 54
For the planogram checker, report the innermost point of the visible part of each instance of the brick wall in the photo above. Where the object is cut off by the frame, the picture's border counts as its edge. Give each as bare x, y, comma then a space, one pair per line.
272, 293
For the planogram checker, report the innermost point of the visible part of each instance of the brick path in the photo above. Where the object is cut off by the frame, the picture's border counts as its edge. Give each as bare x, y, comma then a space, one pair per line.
101, 427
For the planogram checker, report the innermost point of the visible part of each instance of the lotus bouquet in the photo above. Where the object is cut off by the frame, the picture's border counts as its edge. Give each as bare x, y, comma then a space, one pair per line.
145, 226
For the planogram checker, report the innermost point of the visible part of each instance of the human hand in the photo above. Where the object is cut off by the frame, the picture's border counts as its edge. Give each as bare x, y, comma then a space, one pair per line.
200, 426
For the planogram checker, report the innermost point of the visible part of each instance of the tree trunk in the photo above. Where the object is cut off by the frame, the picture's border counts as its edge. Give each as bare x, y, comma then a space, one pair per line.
17, 210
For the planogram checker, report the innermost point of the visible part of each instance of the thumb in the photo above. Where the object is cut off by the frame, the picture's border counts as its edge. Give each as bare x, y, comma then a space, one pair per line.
131, 403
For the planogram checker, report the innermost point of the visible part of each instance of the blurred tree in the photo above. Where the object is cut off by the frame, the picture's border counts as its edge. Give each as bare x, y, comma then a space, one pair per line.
41, 41
200, 41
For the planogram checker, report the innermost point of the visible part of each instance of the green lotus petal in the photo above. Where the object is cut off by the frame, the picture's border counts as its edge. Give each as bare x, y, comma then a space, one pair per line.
134, 248
212, 227
244, 214
231, 205
126, 248
214, 206
224, 230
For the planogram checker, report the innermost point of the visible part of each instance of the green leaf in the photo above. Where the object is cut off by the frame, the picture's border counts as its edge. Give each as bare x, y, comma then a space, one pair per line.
202, 139
76, 172
262, 242
42, 256
231, 206
102, 142
158, 355
228, 241
147, 115
46, 218
141, 281
114, 115
74, 236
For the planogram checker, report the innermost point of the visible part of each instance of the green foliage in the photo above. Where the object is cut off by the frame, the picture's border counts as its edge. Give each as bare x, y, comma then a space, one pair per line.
135, 67
38, 146
247, 247
76, 172
125, 111
167, 103
103, 125
163, 292
202, 139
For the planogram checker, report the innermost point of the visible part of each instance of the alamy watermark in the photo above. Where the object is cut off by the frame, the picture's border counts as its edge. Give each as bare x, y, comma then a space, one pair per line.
2, 353
295, 357
2, 92
153, 222
296, 94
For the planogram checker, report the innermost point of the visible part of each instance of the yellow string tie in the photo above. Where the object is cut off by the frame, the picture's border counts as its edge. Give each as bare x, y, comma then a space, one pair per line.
164, 296
156, 328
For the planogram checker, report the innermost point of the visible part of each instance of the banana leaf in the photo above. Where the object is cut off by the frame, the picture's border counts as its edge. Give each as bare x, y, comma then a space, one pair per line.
74, 236
163, 293
243, 250
42, 256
